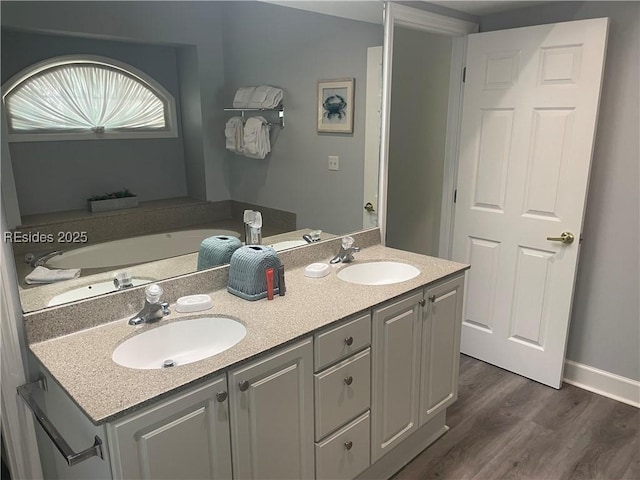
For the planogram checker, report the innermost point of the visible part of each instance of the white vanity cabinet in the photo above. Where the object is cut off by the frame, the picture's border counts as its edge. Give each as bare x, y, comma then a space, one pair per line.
271, 402
342, 399
184, 437
397, 330
439, 367
416, 347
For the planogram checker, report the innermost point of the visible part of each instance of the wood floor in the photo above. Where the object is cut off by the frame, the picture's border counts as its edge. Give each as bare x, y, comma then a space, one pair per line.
506, 426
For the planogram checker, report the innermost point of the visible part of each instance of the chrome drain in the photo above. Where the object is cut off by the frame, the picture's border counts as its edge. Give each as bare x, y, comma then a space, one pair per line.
168, 363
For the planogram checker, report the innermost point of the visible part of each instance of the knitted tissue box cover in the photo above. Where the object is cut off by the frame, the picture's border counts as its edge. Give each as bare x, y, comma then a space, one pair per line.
247, 271
217, 250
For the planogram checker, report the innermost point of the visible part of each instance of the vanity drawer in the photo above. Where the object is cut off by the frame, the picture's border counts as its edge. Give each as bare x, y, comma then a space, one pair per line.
342, 392
341, 341
346, 453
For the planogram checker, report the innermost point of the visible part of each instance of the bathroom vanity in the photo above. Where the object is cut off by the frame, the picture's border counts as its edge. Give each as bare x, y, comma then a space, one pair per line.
335, 380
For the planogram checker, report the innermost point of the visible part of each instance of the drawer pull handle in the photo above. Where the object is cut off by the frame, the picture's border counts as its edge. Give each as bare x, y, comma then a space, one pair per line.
348, 341
348, 380
221, 396
244, 386
348, 444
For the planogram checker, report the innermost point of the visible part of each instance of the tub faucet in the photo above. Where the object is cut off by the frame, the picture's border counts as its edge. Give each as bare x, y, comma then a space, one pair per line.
345, 255
153, 309
39, 261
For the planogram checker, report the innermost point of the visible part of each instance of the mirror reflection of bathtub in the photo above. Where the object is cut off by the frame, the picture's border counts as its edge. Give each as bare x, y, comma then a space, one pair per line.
130, 251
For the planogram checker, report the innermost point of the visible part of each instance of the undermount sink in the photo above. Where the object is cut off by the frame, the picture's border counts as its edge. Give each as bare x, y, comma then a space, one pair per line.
179, 343
89, 291
378, 273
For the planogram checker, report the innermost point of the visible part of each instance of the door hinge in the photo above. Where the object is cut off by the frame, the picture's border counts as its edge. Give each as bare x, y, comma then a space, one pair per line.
464, 74
455, 195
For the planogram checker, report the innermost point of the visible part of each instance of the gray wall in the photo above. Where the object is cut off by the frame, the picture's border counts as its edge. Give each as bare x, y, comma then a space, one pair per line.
61, 175
292, 49
605, 324
419, 101
174, 23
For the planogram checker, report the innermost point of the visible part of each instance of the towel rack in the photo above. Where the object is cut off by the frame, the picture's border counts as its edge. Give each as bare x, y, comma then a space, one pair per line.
279, 109
72, 458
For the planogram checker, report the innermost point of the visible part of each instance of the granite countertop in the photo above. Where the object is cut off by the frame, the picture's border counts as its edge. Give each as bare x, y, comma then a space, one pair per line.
81, 362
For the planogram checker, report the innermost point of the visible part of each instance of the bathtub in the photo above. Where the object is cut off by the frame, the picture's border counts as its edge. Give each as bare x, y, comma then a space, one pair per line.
128, 251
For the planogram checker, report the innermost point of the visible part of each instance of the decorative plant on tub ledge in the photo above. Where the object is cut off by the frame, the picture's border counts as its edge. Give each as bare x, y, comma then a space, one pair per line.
112, 201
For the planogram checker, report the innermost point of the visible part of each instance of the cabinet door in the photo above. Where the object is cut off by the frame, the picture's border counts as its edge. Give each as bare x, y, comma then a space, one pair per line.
395, 373
272, 415
185, 437
440, 347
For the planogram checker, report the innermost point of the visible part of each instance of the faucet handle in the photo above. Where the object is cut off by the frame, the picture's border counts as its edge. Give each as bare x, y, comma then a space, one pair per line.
153, 293
347, 242
165, 308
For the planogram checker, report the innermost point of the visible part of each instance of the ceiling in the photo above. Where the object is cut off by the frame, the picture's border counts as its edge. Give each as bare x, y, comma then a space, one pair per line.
479, 8
371, 11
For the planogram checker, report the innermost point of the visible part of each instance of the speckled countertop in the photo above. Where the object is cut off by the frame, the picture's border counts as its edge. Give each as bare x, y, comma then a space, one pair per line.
81, 362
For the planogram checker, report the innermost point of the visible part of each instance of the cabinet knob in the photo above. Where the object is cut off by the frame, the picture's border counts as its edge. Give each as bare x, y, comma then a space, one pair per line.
244, 386
432, 298
221, 396
348, 444
422, 302
348, 341
348, 380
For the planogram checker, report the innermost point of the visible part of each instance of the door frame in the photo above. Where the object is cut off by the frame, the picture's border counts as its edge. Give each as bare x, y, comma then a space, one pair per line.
401, 15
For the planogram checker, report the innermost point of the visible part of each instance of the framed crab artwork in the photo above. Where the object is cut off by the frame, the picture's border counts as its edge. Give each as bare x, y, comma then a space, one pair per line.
335, 105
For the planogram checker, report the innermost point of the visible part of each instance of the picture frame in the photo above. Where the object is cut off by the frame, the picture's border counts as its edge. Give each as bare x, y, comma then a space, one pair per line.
335, 105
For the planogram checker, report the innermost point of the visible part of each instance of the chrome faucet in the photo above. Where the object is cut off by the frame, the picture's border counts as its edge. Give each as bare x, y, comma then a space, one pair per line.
36, 261
312, 237
153, 309
345, 255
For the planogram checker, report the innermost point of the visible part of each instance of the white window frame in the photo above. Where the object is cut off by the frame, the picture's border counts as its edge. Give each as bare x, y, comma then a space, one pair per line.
170, 131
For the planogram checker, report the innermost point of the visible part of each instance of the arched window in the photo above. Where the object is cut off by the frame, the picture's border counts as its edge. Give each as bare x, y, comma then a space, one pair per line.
87, 97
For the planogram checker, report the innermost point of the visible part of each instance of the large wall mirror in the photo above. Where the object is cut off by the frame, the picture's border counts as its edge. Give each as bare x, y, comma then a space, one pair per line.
201, 52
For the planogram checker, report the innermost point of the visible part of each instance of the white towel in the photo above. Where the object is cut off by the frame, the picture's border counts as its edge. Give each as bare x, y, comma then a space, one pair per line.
265, 96
44, 275
242, 97
273, 98
256, 138
234, 134
258, 97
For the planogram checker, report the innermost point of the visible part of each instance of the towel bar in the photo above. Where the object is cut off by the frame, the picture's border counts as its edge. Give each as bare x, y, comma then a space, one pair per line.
61, 444
279, 109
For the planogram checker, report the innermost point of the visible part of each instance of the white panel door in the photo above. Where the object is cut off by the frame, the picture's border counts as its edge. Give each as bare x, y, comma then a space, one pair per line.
529, 117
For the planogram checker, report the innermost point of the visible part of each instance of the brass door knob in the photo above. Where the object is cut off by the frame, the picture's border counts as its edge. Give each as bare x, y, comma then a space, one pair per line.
565, 237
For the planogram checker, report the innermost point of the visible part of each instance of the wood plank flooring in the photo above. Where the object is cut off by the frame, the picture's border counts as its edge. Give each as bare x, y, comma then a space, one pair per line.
506, 426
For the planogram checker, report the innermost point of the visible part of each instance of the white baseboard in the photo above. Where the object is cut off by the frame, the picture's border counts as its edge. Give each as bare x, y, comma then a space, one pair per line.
602, 382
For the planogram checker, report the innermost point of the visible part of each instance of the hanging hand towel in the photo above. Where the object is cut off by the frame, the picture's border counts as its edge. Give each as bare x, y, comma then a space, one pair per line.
44, 275
256, 138
242, 97
234, 134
